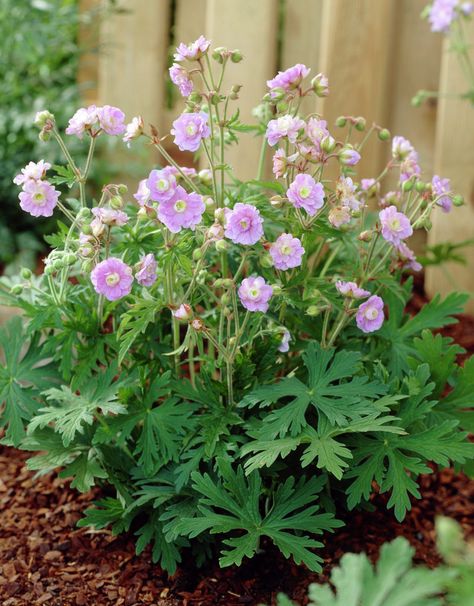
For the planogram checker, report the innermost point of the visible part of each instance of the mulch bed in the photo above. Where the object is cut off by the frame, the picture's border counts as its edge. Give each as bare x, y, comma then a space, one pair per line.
45, 559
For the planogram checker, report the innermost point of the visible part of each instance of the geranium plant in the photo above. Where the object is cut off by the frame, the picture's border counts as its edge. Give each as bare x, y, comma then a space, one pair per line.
233, 358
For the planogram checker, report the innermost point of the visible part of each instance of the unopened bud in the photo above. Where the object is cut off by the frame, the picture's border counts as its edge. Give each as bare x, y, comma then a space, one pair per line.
313, 310
320, 85
266, 261
222, 245
17, 289
195, 97
236, 88
360, 123
85, 213
44, 135
227, 310
197, 254
86, 266
218, 54
348, 156
328, 144
420, 186
219, 215
202, 276
236, 56
276, 290
218, 283
116, 202
122, 189
70, 259
282, 107
225, 299
341, 121
458, 200
365, 236
58, 264
25, 273
205, 176
277, 201
275, 95
48, 270
142, 215
384, 134
42, 118
183, 313
408, 185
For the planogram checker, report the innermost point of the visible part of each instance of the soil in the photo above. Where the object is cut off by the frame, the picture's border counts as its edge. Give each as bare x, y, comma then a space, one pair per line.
45, 559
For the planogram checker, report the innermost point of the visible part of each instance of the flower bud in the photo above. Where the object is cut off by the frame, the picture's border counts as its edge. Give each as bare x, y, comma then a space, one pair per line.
195, 97
458, 200
225, 299
70, 259
219, 215
122, 189
341, 121
420, 186
197, 254
17, 289
227, 311
266, 261
348, 156
183, 313
142, 214
25, 273
197, 324
236, 56
58, 264
42, 118
97, 229
218, 283
236, 88
218, 54
86, 266
282, 107
328, 144
277, 289
222, 245
44, 135
360, 123
320, 85
116, 202
202, 276
365, 236
85, 213
275, 95
48, 270
277, 201
408, 185
384, 134
227, 283
205, 176
313, 310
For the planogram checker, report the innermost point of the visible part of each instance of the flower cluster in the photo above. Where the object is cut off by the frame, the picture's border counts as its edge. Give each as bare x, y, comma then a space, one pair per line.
442, 13
94, 120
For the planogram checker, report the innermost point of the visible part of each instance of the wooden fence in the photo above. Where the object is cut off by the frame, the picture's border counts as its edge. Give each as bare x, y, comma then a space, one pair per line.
376, 54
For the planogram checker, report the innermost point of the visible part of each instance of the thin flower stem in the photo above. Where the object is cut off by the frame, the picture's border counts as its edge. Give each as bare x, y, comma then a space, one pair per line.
169, 159
261, 160
66, 153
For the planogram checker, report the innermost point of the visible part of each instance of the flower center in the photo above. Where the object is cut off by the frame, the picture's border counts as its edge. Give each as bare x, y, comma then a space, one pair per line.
254, 292
191, 129
371, 313
284, 122
180, 206
244, 224
286, 249
112, 279
394, 224
163, 185
38, 199
304, 192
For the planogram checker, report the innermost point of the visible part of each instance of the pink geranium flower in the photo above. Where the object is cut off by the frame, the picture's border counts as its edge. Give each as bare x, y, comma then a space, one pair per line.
38, 198
182, 210
370, 314
290, 78
33, 171
145, 273
162, 184
286, 252
244, 225
351, 290
395, 225
285, 126
189, 129
112, 278
255, 293
305, 193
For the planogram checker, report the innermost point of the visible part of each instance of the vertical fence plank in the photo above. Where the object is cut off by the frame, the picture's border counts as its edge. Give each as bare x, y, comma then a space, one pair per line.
302, 40
251, 27
88, 69
454, 158
356, 43
132, 61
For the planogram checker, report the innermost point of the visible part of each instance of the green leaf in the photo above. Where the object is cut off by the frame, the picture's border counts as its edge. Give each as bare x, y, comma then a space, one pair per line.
233, 504
164, 552
107, 511
84, 470
24, 374
394, 582
134, 322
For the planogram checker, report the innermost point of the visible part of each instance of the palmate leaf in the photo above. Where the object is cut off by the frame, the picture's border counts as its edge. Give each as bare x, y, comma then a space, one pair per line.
164, 552
394, 461
135, 321
233, 505
107, 512
23, 375
72, 411
393, 582
320, 446
333, 388
160, 421
400, 329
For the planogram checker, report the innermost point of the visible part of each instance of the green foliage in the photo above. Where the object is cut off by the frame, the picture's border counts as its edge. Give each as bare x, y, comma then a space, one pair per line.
395, 581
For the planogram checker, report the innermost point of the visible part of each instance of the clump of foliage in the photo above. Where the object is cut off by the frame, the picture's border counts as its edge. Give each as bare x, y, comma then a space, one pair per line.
233, 357
395, 581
